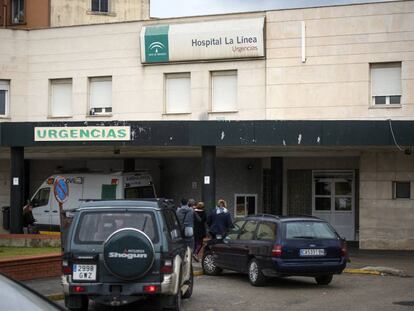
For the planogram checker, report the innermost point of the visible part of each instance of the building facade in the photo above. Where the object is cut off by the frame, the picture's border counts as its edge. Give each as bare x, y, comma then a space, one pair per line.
82, 12
302, 111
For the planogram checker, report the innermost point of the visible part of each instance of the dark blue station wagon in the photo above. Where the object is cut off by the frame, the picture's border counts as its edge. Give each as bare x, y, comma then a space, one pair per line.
269, 246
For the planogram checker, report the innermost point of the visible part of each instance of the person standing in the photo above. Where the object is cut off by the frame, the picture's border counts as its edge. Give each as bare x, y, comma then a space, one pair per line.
185, 215
219, 220
28, 219
199, 228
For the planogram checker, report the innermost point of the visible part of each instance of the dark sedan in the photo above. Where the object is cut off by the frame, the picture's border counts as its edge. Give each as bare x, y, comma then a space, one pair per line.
269, 246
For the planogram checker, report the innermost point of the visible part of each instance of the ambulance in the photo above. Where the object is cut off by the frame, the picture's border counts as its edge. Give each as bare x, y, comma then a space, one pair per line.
86, 187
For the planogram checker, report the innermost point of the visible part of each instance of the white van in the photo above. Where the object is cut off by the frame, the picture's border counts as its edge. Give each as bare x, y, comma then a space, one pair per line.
88, 186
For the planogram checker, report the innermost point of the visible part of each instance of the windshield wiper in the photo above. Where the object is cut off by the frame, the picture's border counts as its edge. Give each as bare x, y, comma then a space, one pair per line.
303, 237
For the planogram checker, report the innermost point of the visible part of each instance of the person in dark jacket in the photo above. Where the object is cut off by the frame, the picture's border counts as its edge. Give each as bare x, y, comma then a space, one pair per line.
199, 228
219, 220
185, 215
28, 219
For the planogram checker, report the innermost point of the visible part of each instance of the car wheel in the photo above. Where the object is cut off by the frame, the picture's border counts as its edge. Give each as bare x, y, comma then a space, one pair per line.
209, 264
324, 279
256, 276
76, 303
190, 284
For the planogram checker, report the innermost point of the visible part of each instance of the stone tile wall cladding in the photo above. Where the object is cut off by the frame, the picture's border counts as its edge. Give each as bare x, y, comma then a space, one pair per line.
385, 223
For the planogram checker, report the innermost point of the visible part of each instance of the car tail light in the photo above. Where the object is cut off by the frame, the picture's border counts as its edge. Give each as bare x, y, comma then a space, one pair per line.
167, 268
150, 289
344, 249
66, 268
277, 250
78, 289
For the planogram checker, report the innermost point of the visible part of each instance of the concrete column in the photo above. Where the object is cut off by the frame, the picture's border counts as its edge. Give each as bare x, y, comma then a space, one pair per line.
277, 185
208, 190
16, 189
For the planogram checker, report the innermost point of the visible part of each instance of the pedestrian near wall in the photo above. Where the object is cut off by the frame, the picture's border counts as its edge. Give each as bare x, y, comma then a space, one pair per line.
29, 225
219, 220
200, 231
185, 215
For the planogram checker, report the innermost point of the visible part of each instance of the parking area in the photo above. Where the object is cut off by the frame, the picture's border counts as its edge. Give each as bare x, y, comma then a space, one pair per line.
232, 291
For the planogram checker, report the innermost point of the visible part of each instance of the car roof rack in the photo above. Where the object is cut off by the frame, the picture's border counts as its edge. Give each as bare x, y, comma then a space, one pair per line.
163, 201
303, 215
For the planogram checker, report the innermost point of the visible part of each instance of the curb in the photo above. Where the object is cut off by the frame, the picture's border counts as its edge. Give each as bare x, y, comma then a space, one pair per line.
198, 273
55, 297
361, 271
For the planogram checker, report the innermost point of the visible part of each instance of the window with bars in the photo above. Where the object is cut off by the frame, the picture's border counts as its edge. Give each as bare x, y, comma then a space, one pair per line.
100, 6
177, 93
401, 190
4, 97
100, 95
224, 91
61, 97
386, 84
17, 11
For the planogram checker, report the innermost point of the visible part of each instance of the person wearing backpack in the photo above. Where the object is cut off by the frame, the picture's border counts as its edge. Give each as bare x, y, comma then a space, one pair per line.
185, 215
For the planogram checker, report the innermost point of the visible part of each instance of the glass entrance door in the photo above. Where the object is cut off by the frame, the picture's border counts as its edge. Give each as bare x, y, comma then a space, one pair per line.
333, 200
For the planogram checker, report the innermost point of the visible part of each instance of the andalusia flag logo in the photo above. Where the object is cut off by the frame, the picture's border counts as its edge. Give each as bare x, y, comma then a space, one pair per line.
156, 44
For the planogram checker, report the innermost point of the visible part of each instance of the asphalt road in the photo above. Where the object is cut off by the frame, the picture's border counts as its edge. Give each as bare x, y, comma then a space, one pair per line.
232, 291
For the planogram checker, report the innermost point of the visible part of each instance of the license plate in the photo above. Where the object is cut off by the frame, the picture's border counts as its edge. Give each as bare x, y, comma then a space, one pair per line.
84, 272
312, 252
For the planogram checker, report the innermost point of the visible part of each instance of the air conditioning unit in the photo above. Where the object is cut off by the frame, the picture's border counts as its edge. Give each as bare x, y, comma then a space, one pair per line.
98, 111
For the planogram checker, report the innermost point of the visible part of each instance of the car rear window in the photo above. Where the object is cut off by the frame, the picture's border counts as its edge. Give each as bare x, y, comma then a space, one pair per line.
96, 227
308, 230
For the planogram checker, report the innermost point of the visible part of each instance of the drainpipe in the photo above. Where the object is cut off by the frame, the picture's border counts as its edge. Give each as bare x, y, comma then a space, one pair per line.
4, 15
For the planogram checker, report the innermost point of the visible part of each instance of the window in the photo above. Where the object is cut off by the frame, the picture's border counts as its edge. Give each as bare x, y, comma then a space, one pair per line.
248, 230
235, 231
96, 227
41, 198
266, 231
245, 204
173, 225
309, 230
100, 91
386, 84
100, 6
401, 190
61, 97
4, 97
224, 91
17, 15
177, 93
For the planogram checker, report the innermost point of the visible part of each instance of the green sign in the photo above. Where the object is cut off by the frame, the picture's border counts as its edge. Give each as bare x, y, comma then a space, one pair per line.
82, 133
156, 44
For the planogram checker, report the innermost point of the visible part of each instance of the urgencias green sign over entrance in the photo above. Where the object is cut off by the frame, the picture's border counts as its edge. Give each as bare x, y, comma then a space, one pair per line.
84, 133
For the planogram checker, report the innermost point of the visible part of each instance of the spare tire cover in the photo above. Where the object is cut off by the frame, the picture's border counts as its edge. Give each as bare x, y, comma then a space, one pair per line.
128, 253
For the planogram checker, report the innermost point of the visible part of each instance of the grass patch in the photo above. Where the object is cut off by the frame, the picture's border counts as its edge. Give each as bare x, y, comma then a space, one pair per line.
6, 251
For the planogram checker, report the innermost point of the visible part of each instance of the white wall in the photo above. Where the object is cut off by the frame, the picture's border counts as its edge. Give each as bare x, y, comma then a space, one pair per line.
341, 42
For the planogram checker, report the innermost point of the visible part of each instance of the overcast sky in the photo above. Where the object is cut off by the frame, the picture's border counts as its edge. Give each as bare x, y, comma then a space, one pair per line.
175, 8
